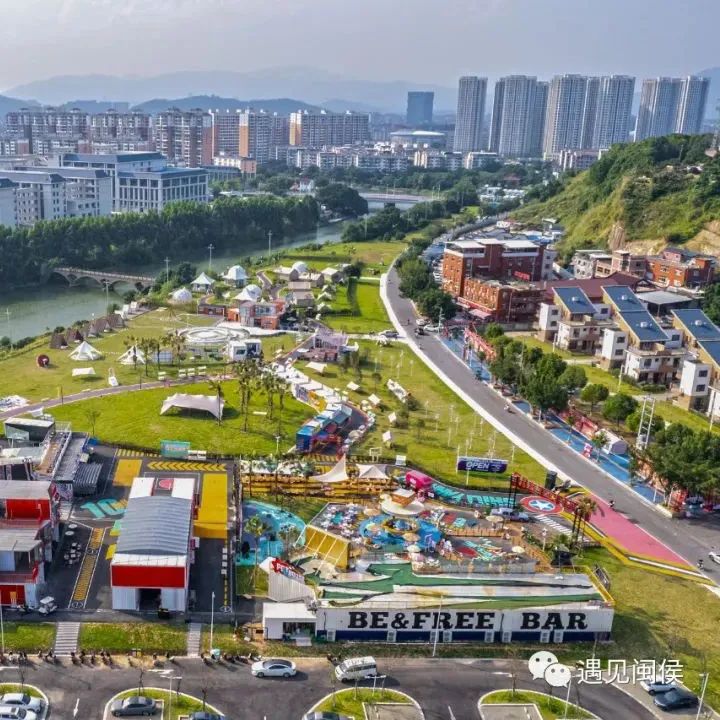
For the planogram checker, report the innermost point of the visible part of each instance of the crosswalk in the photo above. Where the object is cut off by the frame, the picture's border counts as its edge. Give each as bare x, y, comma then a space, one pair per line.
66, 638
194, 635
127, 453
552, 524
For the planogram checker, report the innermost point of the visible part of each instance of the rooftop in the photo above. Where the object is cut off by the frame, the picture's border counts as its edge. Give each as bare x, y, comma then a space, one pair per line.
663, 297
697, 324
575, 300
155, 525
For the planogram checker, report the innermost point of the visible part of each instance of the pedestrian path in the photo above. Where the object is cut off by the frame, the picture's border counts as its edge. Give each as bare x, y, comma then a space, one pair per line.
87, 569
66, 638
552, 524
194, 636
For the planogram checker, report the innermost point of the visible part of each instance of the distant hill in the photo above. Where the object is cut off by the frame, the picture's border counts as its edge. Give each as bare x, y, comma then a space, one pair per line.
10, 104
647, 191
315, 85
282, 106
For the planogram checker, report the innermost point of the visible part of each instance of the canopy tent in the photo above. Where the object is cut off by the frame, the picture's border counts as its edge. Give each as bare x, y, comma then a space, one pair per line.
133, 355
235, 273
352, 386
335, 474
83, 372
374, 400
318, 367
371, 472
208, 403
84, 352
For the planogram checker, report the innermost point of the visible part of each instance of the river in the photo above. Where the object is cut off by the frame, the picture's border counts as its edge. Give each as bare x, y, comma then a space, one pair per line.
33, 311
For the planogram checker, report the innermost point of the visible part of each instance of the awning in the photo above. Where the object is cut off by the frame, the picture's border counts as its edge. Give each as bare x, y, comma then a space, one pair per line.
482, 314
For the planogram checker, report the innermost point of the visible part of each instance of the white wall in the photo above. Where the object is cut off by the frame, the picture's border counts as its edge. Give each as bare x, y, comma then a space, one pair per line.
173, 599
124, 598
690, 378
8, 210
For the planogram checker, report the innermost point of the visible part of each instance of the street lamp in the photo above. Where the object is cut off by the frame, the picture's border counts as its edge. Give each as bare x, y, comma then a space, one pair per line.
212, 619
705, 678
277, 445
210, 248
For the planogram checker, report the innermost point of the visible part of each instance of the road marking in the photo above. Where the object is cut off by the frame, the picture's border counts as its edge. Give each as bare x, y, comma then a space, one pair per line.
184, 466
87, 568
75, 709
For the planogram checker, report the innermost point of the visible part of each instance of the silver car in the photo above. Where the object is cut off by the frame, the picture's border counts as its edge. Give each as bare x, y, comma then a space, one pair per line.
274, 667
13, 712
23, 700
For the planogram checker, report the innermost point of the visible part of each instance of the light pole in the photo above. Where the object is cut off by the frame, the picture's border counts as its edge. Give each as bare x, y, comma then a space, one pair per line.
2, 629
212, 619
277, 445
544, 537
210, 248
269, 242
705, 678
7, 313
567, 698
437, 626
107, 296
167, 269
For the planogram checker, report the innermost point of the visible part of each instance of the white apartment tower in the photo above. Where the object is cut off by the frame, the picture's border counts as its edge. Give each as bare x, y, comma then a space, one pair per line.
564, 119
470, 113
691, 105
518, 116
612, 110
657, 114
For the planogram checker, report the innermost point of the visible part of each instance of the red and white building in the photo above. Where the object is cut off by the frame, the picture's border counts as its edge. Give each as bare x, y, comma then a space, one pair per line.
29, 518
150, 568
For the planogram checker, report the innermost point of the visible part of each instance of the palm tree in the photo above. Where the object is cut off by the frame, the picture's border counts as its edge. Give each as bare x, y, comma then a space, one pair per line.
599, 440
282, 388
267, 382
177, 344
248, 373
145, 345
254, 526
216, 385
586, 506
289, 534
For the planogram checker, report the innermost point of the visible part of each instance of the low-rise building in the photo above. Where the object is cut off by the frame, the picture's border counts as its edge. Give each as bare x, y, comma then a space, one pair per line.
680, 268
8, 203
503, 301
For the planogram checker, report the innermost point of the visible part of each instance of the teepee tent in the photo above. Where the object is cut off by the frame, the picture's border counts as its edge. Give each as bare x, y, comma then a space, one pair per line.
132, 356
84, 352
202, 283
335, 474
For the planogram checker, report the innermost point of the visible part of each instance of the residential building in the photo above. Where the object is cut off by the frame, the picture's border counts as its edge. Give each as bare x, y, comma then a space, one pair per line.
478, 160
36, 122
637, 345
13, 145
438, 160
184, 137
419, 108
576, 159
114, 125
504, 301
584, 263
225, 132
418, 139
322, 129
243, 166
470, 114
518, 116
564, 120
255, 135
8, 203
608, 109
680, 268
691, 105
40, 195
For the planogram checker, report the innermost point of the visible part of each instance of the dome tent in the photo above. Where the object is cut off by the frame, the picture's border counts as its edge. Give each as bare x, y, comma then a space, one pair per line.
300, 267
181, 295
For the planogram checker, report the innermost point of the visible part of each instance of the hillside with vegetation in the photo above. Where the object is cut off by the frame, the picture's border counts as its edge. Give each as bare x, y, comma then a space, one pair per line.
658, 191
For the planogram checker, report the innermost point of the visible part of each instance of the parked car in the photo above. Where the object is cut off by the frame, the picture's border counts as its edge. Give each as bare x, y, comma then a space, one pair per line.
133, 706
325, 715
13, 712
23, 700
274, 667
389, 333
432, 328
657, 686
512, 515
676, 699
714, 556
203, 715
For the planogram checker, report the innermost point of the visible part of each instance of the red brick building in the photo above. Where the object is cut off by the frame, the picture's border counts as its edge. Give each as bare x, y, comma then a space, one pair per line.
498, 301
677, 267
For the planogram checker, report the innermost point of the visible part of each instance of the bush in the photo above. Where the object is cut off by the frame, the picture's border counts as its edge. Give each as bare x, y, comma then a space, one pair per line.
653, 388
633, 422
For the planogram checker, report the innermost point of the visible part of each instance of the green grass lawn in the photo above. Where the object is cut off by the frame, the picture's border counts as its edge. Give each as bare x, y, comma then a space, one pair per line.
550, 708
17, 687
350, 702
244, 581
181, 705
29, 637
376, 255
124, 637
372, 317
134, 418
425, 441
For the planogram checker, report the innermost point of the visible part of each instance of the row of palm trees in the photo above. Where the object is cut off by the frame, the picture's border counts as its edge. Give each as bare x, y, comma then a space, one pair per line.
150, 346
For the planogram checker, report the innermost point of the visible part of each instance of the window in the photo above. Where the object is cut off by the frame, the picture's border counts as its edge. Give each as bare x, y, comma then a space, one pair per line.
647, 363
700, 388
703, 373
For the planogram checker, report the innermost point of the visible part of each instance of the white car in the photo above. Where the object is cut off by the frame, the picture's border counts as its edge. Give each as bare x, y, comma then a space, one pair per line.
274, 667
714, 556
658, 685
23, 700
13, 712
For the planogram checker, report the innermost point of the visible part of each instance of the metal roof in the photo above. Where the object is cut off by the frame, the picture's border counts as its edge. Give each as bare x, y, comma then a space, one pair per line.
712, 348
575, 300
698, 324
635, 315
624, 299
18, 539
663, 297
24, 490
155, 525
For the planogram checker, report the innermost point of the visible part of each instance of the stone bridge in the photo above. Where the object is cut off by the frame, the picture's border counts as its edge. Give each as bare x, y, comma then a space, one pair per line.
75, 275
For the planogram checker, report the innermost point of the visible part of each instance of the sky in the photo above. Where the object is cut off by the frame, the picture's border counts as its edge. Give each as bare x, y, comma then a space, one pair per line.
432, 41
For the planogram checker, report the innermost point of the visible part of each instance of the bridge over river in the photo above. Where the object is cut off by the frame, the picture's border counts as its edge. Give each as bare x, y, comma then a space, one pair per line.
74, 276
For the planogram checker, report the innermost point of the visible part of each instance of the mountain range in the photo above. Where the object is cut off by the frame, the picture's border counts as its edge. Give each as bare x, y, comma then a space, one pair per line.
316, 87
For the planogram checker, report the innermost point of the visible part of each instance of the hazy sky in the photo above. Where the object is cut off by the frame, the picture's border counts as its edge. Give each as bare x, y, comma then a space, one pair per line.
430, 41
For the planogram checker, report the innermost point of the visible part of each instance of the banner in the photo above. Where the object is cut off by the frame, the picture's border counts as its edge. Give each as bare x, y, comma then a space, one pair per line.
174, 449
479, 464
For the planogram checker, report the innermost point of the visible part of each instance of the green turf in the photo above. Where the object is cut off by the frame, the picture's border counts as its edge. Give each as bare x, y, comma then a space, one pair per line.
352, 702
376, 255
17, 687
372, 318
29, 637
134, 419
124, 637
550, 708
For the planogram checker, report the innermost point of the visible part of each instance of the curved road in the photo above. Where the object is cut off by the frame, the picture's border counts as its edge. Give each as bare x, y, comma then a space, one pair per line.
690, 539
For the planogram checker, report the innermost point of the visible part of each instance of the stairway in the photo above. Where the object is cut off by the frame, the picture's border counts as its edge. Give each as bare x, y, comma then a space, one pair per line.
66, 638
194, 635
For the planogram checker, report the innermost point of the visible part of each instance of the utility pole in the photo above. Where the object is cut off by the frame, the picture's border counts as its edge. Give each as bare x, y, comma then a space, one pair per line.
167, 269
269, 242
7, 313
210, 247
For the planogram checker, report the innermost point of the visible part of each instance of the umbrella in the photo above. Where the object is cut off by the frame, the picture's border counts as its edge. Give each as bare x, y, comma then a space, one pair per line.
518, 550
414, 548
371, 512
494, 518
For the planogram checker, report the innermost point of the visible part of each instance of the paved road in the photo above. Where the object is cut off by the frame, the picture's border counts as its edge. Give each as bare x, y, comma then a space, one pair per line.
690, 539
439, 686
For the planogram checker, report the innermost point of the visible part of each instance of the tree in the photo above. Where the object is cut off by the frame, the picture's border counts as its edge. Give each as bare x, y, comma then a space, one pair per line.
216, 385
593, 394
541, 386
436, 304
145, 345
289, 535
255, 527
633, 422
573, 378
419, 427
599, 440
586, 506
341, 199
618, 407
494, 330
92, 415
247, 373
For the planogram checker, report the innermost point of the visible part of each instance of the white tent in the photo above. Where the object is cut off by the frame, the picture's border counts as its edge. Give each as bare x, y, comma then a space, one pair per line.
250, 292
181, 295
132, 356
318, 367
335, 474
202, 282
371, 472
235, 274
83, 372
374, 400
208, 403
84, 352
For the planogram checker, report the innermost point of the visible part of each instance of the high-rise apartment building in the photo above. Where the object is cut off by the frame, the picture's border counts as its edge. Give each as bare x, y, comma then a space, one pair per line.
320, 129
184, 136
114, 125
470, 114
420, 108
225, 132
255, 135
48, 121
691, 105
609, 103
564, 120
518, 116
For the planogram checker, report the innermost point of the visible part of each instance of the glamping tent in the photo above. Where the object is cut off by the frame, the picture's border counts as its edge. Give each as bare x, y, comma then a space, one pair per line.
335, 474
132, 356
236, 275
371, 472
207, 403
202, 283
252, 293
180, 296
84, 352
